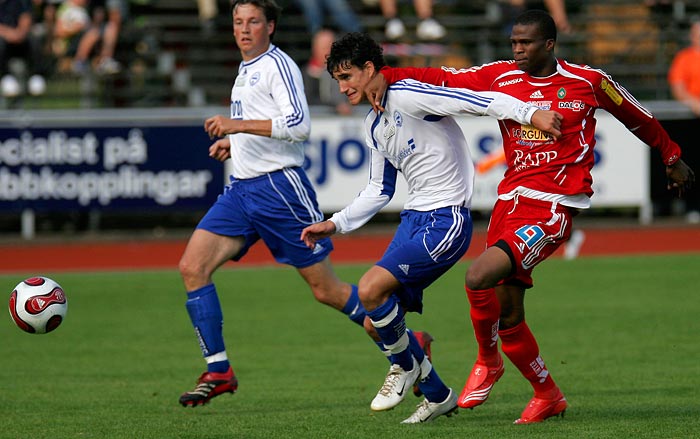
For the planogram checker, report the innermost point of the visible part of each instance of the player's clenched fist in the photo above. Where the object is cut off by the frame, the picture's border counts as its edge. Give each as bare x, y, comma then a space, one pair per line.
219, 126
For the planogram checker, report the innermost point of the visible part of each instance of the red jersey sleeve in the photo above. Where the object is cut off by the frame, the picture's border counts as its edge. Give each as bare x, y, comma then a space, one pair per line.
615, 99
477, 78
429, 75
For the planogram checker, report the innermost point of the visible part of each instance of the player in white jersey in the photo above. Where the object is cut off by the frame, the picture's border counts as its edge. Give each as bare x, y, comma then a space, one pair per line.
269, 197
417, 136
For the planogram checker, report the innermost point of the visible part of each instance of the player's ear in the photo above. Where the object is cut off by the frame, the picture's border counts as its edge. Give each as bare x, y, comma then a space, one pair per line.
369, 68
549, 44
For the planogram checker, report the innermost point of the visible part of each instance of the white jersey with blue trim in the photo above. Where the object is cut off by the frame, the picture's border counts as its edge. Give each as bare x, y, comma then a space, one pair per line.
269, 87
417, 136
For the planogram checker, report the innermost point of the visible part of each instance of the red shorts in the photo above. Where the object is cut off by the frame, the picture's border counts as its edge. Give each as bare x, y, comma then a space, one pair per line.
531, 229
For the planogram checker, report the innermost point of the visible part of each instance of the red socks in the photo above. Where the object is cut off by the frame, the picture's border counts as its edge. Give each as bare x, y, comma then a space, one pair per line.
521, 348
485, 311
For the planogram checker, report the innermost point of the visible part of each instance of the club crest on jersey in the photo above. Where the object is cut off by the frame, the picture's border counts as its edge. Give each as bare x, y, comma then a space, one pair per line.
398, 119
561, 93
611, 92
255, 78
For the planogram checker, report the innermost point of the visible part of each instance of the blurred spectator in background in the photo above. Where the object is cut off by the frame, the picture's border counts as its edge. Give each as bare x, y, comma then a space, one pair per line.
684, 74
107, 18
339, 10
556, 8
16, 42
319, 86
684, 79
208, 10
72, 21
428, 28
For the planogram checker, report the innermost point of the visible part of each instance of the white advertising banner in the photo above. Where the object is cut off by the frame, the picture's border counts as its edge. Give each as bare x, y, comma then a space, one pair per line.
338, 160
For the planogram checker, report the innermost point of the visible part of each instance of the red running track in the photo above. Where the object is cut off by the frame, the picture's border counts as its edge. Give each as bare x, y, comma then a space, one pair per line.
36, 257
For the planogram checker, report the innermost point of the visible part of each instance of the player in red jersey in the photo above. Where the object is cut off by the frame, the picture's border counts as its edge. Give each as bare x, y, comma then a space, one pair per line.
546, 183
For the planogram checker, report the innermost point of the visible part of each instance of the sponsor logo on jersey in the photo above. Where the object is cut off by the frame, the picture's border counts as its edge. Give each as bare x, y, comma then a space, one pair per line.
524, 160
611, 92
389, 129
572, 105
542, 105
511, 82
531, 134
405, 152
404, 268
537, 95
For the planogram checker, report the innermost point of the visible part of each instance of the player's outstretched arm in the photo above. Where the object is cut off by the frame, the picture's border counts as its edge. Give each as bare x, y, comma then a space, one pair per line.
680, 177
317, 231
547, 121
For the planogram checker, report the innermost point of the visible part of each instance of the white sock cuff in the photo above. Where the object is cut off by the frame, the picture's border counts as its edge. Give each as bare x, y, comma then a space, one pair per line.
387, 318
219, 356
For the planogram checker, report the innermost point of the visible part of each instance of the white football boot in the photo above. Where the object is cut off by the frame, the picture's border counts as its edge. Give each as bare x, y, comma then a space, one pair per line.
396, 384
427, 411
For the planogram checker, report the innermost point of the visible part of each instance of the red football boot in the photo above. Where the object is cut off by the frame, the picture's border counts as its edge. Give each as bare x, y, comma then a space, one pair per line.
539, 409
209, 385
479, 384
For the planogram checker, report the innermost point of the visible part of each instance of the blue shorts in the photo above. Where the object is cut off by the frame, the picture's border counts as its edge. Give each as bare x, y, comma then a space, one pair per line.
275, 207
425, 246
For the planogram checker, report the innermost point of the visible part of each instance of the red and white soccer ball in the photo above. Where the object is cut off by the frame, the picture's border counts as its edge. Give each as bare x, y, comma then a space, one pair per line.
38, 305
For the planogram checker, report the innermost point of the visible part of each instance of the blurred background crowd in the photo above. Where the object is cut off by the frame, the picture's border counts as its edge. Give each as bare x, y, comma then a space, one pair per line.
154, 53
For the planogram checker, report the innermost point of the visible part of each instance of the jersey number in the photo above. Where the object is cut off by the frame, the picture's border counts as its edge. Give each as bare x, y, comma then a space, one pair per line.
236, 110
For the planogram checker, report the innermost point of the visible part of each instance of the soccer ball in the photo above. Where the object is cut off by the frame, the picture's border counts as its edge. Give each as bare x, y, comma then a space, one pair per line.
38, 305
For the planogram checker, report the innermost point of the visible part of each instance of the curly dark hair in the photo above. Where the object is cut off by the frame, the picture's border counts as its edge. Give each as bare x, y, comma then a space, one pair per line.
541, 19
355, 49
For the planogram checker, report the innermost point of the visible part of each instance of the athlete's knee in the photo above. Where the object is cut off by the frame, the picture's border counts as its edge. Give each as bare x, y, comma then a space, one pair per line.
369, 295
478, 278
193, 273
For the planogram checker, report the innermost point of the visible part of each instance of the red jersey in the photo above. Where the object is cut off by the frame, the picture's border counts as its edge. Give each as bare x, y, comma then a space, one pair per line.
537, 162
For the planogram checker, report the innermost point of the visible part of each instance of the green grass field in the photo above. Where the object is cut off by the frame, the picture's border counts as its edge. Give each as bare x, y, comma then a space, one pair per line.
620, 336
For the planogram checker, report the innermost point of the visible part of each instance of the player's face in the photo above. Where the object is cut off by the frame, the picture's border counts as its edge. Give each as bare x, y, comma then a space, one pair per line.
251, 30
353, 80
531, 52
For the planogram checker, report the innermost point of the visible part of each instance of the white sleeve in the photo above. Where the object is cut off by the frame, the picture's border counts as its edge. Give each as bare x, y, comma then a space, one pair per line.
419, 98
378, 192
287, 88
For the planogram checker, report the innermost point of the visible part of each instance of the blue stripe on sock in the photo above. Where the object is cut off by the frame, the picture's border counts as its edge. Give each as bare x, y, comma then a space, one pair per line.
207, 318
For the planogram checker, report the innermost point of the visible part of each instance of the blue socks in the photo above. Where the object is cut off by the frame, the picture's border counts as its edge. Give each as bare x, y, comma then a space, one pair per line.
390, 323
388, 320
353, 308
207, 319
